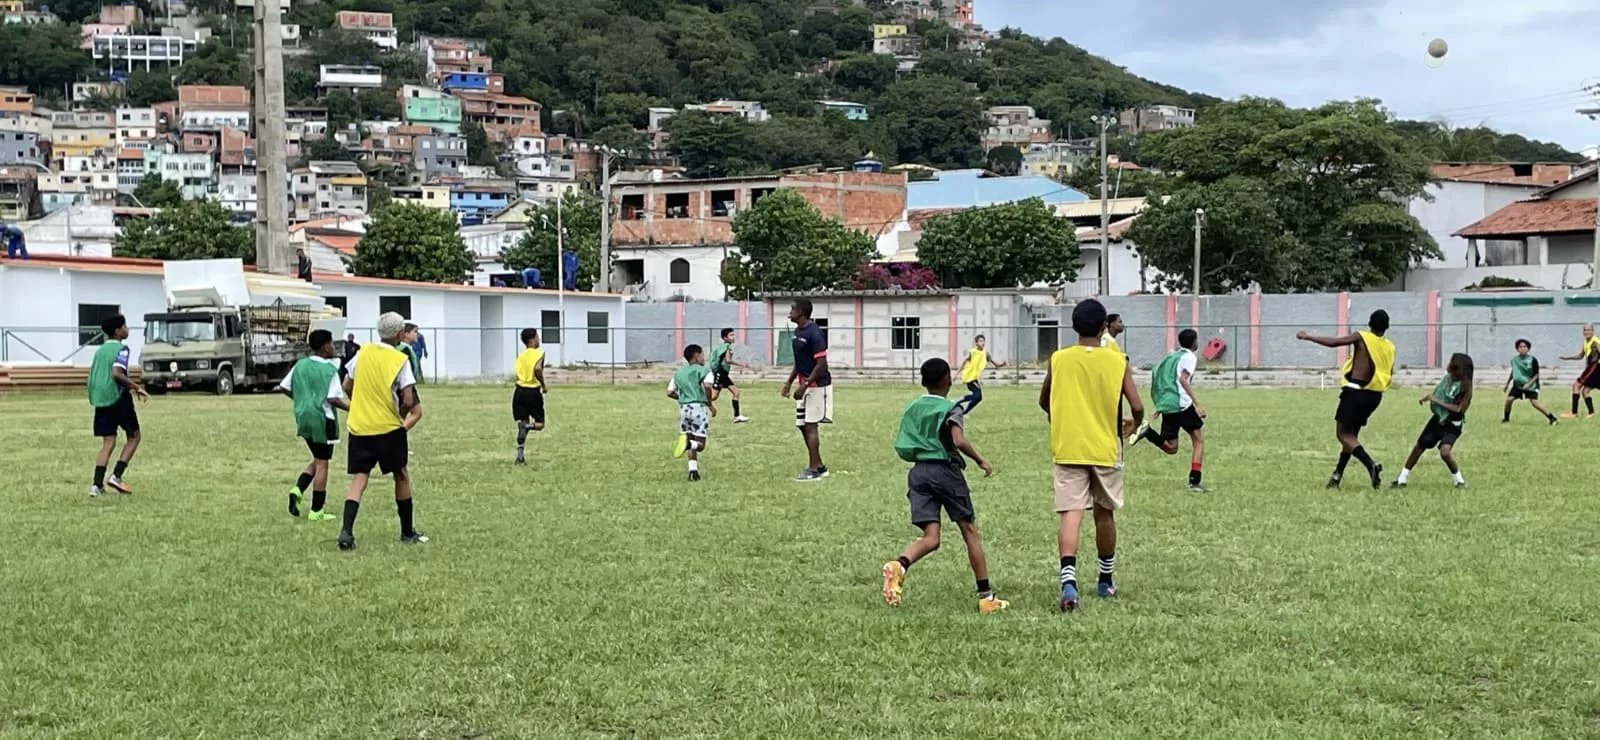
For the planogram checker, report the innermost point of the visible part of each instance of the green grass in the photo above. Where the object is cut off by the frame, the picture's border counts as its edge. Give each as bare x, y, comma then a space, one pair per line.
596, 594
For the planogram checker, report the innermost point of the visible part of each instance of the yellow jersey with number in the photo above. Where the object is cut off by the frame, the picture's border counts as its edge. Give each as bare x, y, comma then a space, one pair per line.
1086, 406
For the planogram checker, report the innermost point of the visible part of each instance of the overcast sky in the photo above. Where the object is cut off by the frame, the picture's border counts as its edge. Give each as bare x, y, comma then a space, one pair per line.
1515, 65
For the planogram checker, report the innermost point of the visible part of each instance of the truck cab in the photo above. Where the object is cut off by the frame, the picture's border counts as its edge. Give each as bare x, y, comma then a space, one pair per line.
193, 349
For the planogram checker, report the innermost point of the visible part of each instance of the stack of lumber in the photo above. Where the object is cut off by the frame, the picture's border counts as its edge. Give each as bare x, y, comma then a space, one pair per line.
36, 377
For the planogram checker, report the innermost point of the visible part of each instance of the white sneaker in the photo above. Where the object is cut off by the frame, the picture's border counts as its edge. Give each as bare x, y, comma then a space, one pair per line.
741, 419
94, 492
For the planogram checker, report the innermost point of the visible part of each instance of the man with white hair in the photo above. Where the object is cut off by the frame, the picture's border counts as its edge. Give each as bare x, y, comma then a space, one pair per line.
383, 408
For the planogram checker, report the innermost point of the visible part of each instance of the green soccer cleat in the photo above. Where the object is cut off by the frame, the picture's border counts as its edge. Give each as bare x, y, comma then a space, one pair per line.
681, 446
321, 516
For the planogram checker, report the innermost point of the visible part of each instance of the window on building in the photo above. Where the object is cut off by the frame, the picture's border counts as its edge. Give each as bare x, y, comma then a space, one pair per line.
677, 205
599, 327
905, 332
632, 207
339, 302
550, 327
723, 202
400, 304
89, 317
759, 193
678, 271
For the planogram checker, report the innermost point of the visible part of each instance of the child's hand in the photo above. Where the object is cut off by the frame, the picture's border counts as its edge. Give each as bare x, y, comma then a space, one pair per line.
988, 470
713, 410
1425, 399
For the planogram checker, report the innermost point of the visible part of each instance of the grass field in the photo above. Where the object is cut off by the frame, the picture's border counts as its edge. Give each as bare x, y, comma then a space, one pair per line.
597, 594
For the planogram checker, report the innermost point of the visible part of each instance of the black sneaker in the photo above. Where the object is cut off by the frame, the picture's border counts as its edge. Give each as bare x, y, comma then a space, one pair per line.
521, 460
294, 503
1397, 484
694, 475
1335, 481
808, 475
823, 471
1377, 476
415, 538
347, 541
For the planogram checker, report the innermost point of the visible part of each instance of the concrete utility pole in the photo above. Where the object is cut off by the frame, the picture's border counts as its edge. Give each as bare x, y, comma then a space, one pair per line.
1199, 229
272, 157
1105, 209
1594, 265
605, 283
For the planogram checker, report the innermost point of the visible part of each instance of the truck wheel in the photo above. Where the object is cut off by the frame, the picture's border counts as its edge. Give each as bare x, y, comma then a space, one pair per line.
225, 383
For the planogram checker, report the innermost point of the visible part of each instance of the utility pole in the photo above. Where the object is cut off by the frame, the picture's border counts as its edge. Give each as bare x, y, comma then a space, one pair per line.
1104, 121
1594, 265
272, 157
561, 283
1199, 229
604, 284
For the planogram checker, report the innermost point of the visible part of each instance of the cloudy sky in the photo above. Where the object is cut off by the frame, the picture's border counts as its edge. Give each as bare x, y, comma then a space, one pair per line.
1515, 65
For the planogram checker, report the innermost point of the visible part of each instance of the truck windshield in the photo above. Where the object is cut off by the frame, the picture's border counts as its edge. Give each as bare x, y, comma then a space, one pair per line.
172, 330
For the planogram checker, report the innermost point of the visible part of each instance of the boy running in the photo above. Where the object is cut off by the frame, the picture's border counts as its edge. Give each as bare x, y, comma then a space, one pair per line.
1172, 393
932, 441
1524, 382
314, 385
1367, 374
527, 401
1082, 397
111, 393
721, 363
1590, 379
972, 373
384, 407
1449, 400
695, 391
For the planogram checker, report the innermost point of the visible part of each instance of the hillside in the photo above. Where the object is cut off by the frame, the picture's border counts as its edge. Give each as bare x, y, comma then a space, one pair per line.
598, 66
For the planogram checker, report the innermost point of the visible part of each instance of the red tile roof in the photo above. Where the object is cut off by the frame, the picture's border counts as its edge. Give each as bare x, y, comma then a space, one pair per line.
1535, 217
1503, 173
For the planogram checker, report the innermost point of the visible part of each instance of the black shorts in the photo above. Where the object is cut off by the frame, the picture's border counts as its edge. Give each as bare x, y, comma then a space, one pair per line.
1438, 433
721, 380
324, 450
1356, 407
1187, 420
388, 452
119, 415
527, 403
1591, 377
1518, 394
936, 486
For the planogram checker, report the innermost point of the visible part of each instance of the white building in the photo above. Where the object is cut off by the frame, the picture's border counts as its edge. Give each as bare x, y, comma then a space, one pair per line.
749, 110
471, 331
377, 27
237, 192
135, 127
215, 119
1468, 192
664, 273
140, 51
350, 77
193, 172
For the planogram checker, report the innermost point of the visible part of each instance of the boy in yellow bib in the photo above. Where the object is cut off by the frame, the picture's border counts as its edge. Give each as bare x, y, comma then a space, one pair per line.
972, 374
1366, 375
383, 408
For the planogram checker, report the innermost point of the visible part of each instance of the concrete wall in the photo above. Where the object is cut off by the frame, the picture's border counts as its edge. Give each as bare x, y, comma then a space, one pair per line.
658, 332
1457, 205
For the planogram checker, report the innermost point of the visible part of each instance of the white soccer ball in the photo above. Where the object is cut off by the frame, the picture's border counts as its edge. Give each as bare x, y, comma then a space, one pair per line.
1437, 48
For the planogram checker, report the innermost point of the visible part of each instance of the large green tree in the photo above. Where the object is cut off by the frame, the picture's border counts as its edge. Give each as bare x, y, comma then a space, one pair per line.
785, 244
44, 57
934, 120
155, 191
187, 231
580, 233
407, 241
1295, 200
146, 88
1004, 246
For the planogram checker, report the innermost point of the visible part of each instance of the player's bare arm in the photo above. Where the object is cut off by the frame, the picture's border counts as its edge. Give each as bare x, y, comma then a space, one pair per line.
412, 407
122, 379
1183, 380
538, 374
1135, 404
959, 439
1044, 395
1344, 341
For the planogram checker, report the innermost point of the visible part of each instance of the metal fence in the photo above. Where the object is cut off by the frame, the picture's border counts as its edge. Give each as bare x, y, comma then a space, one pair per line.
625, 355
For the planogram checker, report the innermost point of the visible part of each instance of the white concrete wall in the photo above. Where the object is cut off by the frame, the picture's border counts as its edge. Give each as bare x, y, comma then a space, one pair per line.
705, 271
1546, 277
39, 307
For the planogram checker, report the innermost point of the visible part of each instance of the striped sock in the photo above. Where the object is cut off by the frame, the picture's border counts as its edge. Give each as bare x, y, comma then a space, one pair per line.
1069, 570
1108, 565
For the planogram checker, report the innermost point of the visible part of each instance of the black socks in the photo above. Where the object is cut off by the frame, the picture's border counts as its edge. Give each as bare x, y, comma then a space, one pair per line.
303, 483
522, 433
736, 413
1344, 460
318, 498
1108, 566
403, 508
122, 465
99, 476
1574, 404
983, 587
1589, 402
905, 562
1360, 454
351, 508
1069, 569
1194, 476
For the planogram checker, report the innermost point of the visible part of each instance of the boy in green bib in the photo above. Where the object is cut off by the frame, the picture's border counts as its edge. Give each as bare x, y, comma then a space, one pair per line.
1523, 382
695, 391
111, 393
1172, 392
1448, 404
314, 385
931, 440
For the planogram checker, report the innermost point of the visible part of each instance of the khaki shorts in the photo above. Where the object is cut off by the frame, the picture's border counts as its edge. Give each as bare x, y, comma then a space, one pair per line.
1082, 487
815, 406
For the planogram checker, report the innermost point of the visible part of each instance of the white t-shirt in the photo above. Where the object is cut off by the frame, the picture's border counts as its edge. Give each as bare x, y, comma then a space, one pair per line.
335, 390
402, 380
1186, 364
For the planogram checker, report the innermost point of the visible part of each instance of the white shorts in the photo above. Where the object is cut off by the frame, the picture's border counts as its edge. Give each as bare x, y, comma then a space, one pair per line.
694, 419
815, 406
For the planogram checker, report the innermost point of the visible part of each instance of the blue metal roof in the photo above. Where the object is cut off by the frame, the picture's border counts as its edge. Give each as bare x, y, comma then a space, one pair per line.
971, 189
